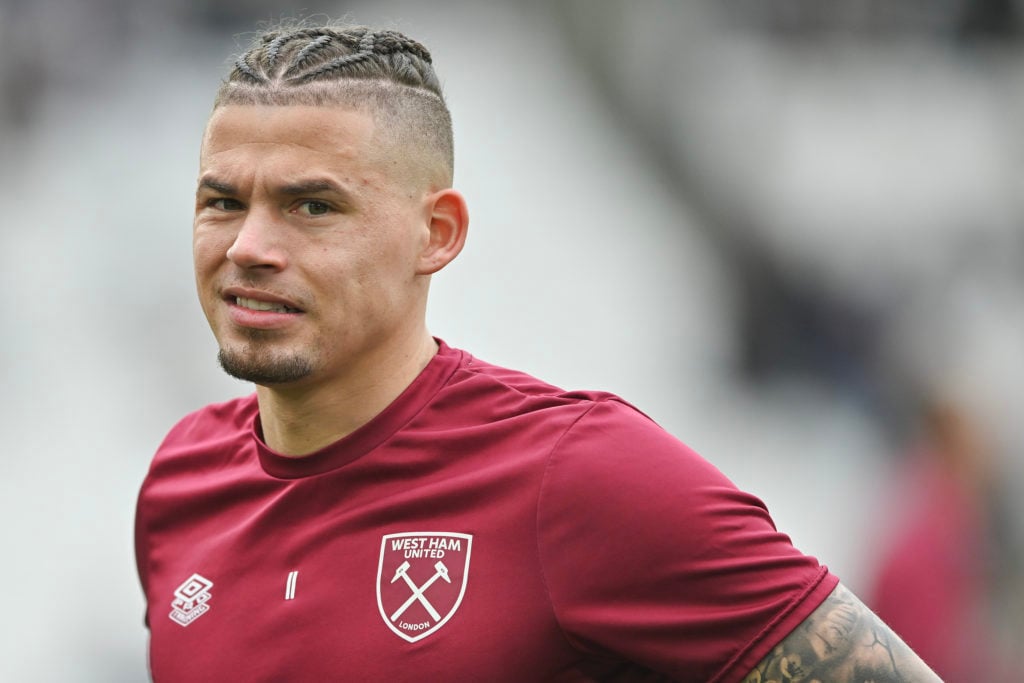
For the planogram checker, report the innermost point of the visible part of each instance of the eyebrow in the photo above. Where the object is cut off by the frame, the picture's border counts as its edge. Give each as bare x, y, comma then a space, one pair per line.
293, 189
312, 187
218, 186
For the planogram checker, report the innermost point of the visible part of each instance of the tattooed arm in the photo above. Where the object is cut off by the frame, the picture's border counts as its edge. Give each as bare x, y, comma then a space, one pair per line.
842, 642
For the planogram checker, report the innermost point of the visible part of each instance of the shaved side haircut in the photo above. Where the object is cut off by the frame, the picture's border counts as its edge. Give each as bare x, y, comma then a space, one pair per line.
383, 73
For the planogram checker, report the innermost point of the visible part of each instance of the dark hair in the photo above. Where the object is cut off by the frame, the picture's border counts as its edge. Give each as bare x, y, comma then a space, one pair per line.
384, 72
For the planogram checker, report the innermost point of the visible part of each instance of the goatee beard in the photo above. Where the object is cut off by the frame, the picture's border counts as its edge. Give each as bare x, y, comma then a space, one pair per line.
263, 368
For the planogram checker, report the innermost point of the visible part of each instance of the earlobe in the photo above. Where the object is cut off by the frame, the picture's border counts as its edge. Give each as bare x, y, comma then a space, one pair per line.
449, 223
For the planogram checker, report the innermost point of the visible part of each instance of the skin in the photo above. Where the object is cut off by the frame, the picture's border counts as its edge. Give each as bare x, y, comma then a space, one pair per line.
842, 642
316, 208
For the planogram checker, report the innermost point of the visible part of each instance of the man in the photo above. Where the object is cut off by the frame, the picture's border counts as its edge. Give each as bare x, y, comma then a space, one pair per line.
388, 508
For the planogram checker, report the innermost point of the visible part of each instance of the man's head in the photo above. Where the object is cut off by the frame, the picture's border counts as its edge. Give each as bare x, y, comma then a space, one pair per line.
324, 204
383, 73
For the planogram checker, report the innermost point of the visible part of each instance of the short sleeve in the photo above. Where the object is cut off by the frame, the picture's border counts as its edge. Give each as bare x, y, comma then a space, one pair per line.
651, 555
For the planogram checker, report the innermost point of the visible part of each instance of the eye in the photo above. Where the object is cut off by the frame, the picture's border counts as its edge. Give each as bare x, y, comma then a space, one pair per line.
313, 207
225, 204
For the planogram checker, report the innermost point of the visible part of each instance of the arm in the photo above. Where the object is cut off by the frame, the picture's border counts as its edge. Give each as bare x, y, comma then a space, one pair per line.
842, 642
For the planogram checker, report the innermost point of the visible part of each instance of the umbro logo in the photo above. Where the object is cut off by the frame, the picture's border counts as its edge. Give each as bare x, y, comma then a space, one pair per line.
190, 600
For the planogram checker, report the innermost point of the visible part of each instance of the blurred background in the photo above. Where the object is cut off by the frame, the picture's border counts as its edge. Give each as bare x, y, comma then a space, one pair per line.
788, 230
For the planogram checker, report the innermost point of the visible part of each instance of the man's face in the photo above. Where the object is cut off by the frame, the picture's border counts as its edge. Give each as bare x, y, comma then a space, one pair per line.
306, 238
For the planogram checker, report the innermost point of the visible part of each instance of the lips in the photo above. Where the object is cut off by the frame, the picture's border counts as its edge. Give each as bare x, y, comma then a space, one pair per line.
256, 301
261, 305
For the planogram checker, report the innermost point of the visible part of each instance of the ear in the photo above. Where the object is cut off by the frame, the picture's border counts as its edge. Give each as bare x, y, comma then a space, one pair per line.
448, 224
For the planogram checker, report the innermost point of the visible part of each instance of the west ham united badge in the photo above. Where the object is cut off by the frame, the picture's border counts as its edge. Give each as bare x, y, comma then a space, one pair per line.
421, 579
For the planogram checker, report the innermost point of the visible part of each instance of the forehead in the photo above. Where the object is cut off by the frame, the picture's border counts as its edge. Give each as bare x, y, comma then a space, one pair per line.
246, 134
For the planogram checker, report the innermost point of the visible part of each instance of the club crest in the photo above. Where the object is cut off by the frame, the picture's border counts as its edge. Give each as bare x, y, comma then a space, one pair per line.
421, 578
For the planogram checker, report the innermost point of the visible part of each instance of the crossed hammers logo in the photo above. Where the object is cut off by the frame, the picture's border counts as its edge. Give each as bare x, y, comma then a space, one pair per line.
441, 572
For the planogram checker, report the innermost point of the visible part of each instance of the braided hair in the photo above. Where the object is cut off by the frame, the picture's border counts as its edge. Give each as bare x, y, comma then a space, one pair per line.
381, 71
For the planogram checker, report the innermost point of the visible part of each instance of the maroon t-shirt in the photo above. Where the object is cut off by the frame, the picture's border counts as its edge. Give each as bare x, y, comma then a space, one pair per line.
486, 526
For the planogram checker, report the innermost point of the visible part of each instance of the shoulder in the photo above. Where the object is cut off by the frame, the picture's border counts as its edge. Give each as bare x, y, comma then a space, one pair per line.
211, 425
619, 447
584, 431
204, 441
628, 472
502, 390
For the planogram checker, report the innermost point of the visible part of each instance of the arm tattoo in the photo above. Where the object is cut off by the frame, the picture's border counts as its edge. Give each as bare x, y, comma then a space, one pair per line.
842, 642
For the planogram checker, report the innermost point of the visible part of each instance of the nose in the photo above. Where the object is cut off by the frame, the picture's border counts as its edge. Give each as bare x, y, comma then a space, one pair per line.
258, 244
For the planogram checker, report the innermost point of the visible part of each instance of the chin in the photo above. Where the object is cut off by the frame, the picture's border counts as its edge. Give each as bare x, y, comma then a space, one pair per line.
265, 368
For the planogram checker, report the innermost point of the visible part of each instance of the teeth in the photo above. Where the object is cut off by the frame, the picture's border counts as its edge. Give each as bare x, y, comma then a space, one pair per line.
256, 305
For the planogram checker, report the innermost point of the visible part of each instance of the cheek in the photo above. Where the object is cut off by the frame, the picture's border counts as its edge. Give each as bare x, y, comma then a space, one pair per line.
395, 250
209, 248
373, 257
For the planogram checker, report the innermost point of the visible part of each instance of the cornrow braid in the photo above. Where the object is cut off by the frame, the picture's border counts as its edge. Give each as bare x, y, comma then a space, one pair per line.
275, 47
365, 47
242, 66
304, 53
387, 42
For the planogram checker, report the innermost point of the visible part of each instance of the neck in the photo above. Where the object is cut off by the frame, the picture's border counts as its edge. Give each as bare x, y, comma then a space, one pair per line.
299, 421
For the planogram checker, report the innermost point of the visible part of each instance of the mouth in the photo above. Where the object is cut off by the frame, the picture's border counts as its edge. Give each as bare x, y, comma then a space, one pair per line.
261, 305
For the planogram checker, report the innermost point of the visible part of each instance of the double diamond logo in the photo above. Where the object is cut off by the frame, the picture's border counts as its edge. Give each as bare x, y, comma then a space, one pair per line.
190, 600
421, 579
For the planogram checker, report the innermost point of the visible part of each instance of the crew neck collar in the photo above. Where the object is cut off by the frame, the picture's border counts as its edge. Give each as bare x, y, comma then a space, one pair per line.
372, 434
